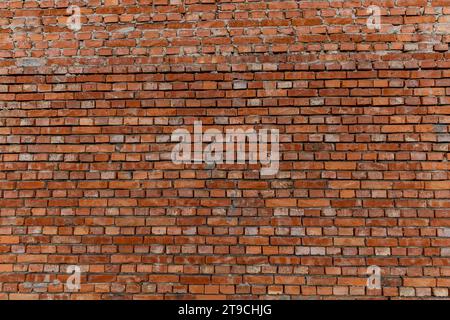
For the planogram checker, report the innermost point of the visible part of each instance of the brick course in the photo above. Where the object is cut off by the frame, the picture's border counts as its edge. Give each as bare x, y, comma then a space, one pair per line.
86, 176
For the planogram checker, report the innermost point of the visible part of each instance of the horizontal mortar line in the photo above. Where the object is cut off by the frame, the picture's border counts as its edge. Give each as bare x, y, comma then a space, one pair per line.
234, 108
223, 72
219, 71
356, 69
187, 90
364, 106
350, 78
199, 255
227, 179
221, 81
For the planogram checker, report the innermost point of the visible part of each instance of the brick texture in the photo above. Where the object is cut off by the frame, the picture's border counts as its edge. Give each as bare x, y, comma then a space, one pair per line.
86, 176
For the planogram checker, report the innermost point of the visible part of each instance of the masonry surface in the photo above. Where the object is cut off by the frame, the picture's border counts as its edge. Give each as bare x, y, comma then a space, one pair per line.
86, 176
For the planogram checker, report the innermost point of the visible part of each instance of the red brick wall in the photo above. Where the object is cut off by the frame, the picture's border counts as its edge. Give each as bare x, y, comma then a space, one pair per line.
86, 176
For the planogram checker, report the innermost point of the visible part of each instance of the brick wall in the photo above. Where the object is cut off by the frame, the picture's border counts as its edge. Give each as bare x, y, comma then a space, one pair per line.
86, 174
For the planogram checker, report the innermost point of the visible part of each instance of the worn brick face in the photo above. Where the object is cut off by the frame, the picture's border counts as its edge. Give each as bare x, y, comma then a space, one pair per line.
87, 179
